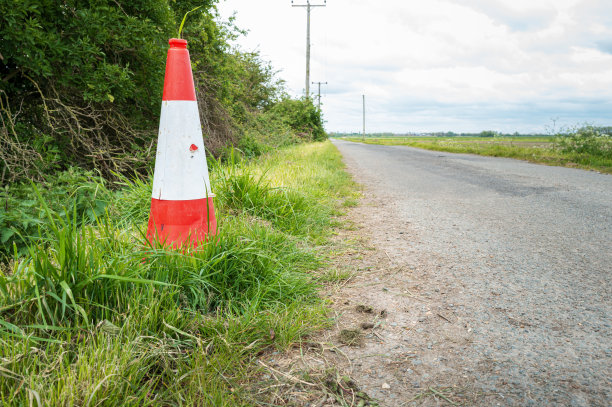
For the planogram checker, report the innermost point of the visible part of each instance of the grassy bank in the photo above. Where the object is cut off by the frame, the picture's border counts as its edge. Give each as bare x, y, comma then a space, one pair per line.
91, 315
541, 150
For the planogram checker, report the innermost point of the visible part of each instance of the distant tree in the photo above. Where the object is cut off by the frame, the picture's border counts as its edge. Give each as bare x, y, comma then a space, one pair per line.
487, 133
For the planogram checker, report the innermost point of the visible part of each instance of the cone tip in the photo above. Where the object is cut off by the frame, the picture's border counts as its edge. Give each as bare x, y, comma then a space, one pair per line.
177, 43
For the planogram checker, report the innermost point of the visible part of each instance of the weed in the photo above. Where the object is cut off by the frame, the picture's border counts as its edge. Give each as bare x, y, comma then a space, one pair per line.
350, 203
351, 337
589, 141
334, 275
346, 391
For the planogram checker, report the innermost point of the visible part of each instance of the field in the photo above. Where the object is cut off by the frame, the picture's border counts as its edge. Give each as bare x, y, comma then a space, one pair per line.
90, 314
543, 150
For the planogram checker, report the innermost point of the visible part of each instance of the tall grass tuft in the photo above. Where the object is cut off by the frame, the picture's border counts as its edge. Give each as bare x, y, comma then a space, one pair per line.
73, 276
81, 276
131, 201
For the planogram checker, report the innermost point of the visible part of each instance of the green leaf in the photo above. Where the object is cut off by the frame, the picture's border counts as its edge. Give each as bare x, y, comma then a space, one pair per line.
6, 235
13, 328
134, 280
77, 307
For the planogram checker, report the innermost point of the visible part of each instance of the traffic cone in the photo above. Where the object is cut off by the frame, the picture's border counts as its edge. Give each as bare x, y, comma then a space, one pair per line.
182, 211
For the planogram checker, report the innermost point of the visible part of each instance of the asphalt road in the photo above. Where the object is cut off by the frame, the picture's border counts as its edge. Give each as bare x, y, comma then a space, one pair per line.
526, 253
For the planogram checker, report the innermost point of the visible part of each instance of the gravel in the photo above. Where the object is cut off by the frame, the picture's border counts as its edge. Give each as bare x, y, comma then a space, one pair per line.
523, 252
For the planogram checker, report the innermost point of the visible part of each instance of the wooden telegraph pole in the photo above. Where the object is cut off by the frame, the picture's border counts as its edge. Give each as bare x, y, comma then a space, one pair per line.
363, 99
319, 92
308, 6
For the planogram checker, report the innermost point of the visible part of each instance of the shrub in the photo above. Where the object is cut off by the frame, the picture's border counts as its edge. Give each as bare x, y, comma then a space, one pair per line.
302, 116
488, 133
85, 74
588, 140
81, 84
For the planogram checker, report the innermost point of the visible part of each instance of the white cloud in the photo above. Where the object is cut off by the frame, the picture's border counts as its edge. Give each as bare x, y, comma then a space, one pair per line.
462, 65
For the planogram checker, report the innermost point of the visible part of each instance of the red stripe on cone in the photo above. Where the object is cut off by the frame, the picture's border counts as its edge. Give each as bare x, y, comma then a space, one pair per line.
175, 223
178, 82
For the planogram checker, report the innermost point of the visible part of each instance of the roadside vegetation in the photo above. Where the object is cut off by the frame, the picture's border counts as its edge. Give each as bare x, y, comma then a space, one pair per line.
586, 147
91, 314
81, 85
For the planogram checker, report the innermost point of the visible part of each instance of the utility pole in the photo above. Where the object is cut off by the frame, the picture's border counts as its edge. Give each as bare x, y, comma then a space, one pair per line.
308, 6
319, 93
363, 98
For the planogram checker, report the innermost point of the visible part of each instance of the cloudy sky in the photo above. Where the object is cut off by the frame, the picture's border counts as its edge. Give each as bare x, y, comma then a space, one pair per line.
439, 65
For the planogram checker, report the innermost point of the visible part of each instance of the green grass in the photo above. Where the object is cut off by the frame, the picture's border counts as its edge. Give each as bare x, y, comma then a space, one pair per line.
93, 315
22, 217
335, 275
543, 150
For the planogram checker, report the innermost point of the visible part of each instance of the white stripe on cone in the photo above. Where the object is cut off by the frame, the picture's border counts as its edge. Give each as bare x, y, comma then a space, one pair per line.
180, 166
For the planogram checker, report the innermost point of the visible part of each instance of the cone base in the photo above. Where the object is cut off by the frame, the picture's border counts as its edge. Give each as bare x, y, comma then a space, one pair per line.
181, 223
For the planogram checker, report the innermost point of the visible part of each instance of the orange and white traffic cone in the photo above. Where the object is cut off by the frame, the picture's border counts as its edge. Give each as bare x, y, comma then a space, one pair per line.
182, 211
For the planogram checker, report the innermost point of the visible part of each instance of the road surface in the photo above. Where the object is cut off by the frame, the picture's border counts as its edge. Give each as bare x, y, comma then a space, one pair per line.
518, 257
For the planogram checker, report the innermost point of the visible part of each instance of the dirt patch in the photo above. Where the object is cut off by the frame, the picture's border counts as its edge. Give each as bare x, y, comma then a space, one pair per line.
391, 338
410, 336
364, 308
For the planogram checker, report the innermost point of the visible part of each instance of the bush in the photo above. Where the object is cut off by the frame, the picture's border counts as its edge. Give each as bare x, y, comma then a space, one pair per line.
81, 84
87, 75
301, 115
265, 132
588, 140
488, 133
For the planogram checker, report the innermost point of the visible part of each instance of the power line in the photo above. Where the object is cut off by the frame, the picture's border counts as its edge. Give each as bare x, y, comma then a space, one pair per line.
308, 6
319, 92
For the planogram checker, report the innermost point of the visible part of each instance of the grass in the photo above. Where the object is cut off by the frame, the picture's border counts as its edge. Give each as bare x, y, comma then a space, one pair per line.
92, 315
542, 150
22, 218
335, 275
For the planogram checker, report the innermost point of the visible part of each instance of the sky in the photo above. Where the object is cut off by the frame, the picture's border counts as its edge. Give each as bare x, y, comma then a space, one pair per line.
441, 65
